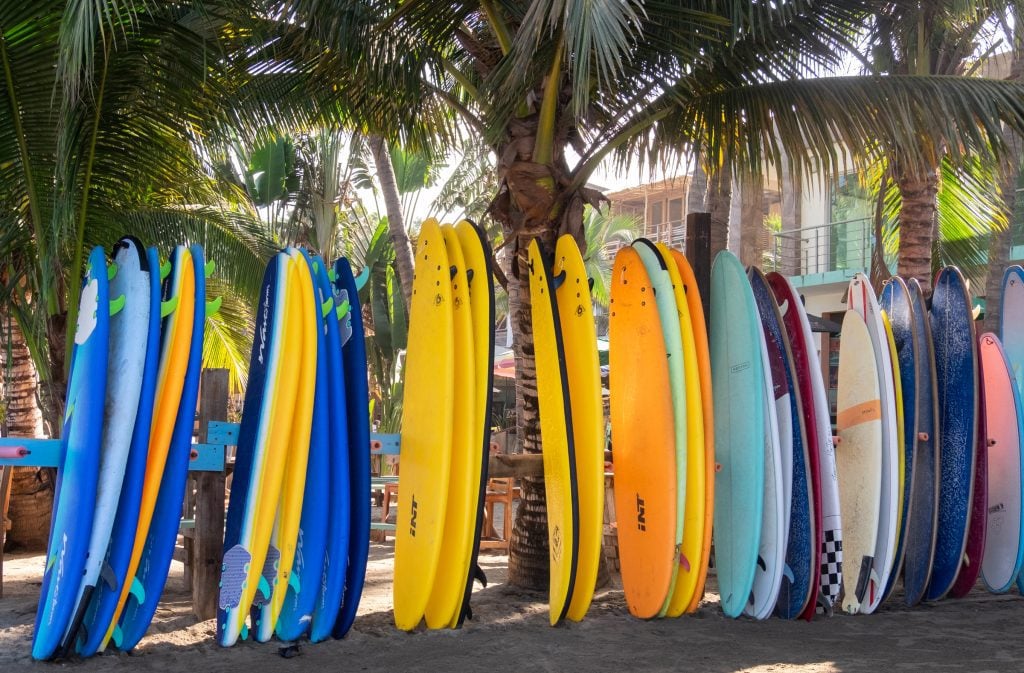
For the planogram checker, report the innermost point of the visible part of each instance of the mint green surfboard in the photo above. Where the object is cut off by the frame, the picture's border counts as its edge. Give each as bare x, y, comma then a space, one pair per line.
664, 296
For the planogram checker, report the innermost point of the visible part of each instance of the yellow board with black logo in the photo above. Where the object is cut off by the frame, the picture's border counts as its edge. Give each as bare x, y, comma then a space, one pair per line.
583, 372
427, 412
556, 440
463, 489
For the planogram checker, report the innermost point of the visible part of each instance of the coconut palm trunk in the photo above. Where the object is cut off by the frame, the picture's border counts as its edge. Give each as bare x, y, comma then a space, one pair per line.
31, 488
396, 220
719, 204
917, 225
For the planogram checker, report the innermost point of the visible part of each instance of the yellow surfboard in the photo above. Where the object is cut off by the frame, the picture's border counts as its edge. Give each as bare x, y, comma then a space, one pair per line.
583, 373
284, 536
427, 412
643, 438
481, 303
175, 346
688, 573
898, 387
463, 490
703, 359
556, 440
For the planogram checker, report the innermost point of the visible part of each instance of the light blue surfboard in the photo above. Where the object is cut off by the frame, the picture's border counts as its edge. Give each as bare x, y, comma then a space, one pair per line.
737, 376
75, 498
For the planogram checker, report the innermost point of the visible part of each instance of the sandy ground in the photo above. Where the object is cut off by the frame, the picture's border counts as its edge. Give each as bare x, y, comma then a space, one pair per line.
510, 632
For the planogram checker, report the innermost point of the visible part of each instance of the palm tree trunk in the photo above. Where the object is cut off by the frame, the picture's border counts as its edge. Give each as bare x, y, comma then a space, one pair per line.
396, 221
719, 204
751, 221
789, 249
697, 191
31, 488
918, 209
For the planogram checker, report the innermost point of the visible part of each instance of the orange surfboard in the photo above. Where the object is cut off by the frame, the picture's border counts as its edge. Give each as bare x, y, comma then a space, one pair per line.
643, 438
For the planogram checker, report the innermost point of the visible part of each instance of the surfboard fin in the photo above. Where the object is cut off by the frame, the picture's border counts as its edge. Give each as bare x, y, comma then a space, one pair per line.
263, 588
469, 276
117, 636
590, 284
325, 308
361, 279
138, 590
295, 583
165, 269
761, 564
108, 576
111, 271
684, 562
479, 575
332, 275
787, 572
558, 280
343, 308
167, 307
209, 268
213, 306
116, 304
244, 635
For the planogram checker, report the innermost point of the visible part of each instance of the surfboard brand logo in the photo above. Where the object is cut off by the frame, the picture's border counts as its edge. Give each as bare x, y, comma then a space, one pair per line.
556, 542
263, 325
641, 514
412, 519
743, 366
998, 507
60, 574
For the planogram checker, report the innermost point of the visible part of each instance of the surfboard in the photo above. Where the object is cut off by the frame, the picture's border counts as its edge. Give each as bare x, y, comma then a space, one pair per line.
924, 496
800, 568
560, 487
901, 486
739, 391
862, 300
859, 458
896, 305
703, 360
339, 507
583, 374
828, 528
463, 495
1004, 553
100, 610
308, 568
957, 378
163, 531
688, 572
771, 555
263, 438
643, 438
357, 405
476, 252
1011, 322
175, 344
126, 363
81, 436
664, 297
277, 571
427, 417
971, 565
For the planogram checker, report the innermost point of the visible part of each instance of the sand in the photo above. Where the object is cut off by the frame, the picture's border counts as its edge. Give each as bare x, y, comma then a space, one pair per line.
510, 632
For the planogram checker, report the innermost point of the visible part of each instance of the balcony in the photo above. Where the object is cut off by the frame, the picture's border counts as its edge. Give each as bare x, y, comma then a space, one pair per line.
829, 253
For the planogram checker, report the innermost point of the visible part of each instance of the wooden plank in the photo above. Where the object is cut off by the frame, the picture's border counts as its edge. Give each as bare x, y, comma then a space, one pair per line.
516, 465
208, 543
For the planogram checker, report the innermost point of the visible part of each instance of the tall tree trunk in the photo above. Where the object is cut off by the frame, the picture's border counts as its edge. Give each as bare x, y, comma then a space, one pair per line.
790, 248
1001, 242
917, 225
751, 221
31, 488
697, 190
396, 221
719, 203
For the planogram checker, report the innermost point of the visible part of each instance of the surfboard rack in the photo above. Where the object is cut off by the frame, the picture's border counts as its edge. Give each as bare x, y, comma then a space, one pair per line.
24, 452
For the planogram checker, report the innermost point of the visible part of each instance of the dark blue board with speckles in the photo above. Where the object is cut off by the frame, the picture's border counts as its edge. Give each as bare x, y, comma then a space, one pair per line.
956, 370
895, 301
800, 559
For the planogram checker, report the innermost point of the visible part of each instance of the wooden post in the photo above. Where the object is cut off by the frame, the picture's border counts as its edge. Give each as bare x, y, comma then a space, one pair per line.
209, 533
698, 252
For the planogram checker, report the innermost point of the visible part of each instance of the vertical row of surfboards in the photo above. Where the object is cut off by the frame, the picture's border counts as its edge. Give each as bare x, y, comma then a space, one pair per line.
126, 443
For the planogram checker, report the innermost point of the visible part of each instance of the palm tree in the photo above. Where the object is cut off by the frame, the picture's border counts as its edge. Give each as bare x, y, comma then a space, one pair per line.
629, 79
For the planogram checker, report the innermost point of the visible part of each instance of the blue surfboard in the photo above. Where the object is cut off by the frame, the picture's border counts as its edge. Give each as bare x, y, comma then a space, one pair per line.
357, 400
801, 561
75, 497
163, 531
737, 376
956, 369
308, 568
339, 499
896, 303
112, 575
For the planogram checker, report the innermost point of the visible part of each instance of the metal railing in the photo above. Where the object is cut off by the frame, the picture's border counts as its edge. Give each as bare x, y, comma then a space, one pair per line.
838, 246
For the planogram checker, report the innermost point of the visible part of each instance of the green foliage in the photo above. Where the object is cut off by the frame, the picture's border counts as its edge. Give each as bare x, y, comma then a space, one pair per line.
602, 229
